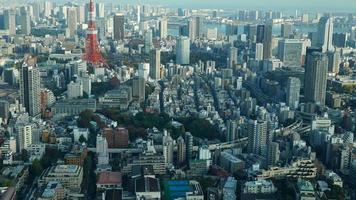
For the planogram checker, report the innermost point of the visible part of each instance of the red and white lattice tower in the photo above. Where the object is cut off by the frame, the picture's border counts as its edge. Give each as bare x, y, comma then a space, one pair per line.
92, 51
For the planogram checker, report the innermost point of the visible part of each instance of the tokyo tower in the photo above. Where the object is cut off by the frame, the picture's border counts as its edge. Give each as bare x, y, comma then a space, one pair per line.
92, 52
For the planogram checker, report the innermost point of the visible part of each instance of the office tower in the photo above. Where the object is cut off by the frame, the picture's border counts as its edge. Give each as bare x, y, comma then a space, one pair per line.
144, 70
340, 39
168, 148
4, 110
334, 61
148, 41
273, 154
243, 15
259, 51
267, 41
119, 26
233, 57
184, 30
86, 84
305, 18
24, 136
47, 9
260, 32
138, 88
102, 150
100, 10
325, 34
89, 11
292, 92
80, 14
138, 13
212, 33
74, 90
231, 29
183, 51
155, 64
180, 12
231, 130
36, 11
286, 30
290, 52
316, 70
251, 32
197, 24
101, 24
192, 29
30, 86
72, 21
181, 150
257, 137
163, 28
189, 146
10, 21
25, 23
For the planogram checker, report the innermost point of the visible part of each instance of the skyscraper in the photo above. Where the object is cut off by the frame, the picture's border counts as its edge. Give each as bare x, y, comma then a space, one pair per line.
259, 51
257, 137
148, 41
119, 26
286, 30
273, 154
267, 40
100, 10
163, 28
183, 51
334, 61
181, 150
10, 21
72, 20
325, 34
233, 57
197, 24
260, 32
155, 64
189, 146
290, 52
231, 131
192, 29
30, 83
292, 92
316, 69
25, 23
138, 88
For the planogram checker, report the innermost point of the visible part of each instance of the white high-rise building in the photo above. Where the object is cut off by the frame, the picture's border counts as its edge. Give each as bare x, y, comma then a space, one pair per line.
144, 70
259, 51
102, 150
293, 92
10, 21
290, 52
74, 90
72, 21
163, 28
100, 10
155, 64
257, 137
168, 148
325, 34
25, 23
24, 136
183, 51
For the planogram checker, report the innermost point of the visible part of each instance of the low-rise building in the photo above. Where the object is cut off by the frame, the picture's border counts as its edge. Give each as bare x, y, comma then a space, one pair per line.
109, 180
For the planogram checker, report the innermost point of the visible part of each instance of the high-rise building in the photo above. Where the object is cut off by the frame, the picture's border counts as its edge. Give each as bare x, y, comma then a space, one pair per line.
148, 41
290, 52
163, 28
100, 10
144, 70
119, 26
4, 110
138, 88
192, 29
10, 21
72, 21
168, 148
30, 83
325, 34
189, 146
25, 23
47, 9
181, 150
197, 24
155, 64
81, 14
36, 11
334, 61
316, 70
259, 51
233, 57
74, 90
273, 154
292, 92
257, 137
231, 29
183, 51
231, 130
24, 136
260, 32
286, 30
267, 41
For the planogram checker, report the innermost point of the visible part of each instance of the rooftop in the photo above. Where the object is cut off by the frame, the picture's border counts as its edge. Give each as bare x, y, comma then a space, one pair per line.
109, 178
